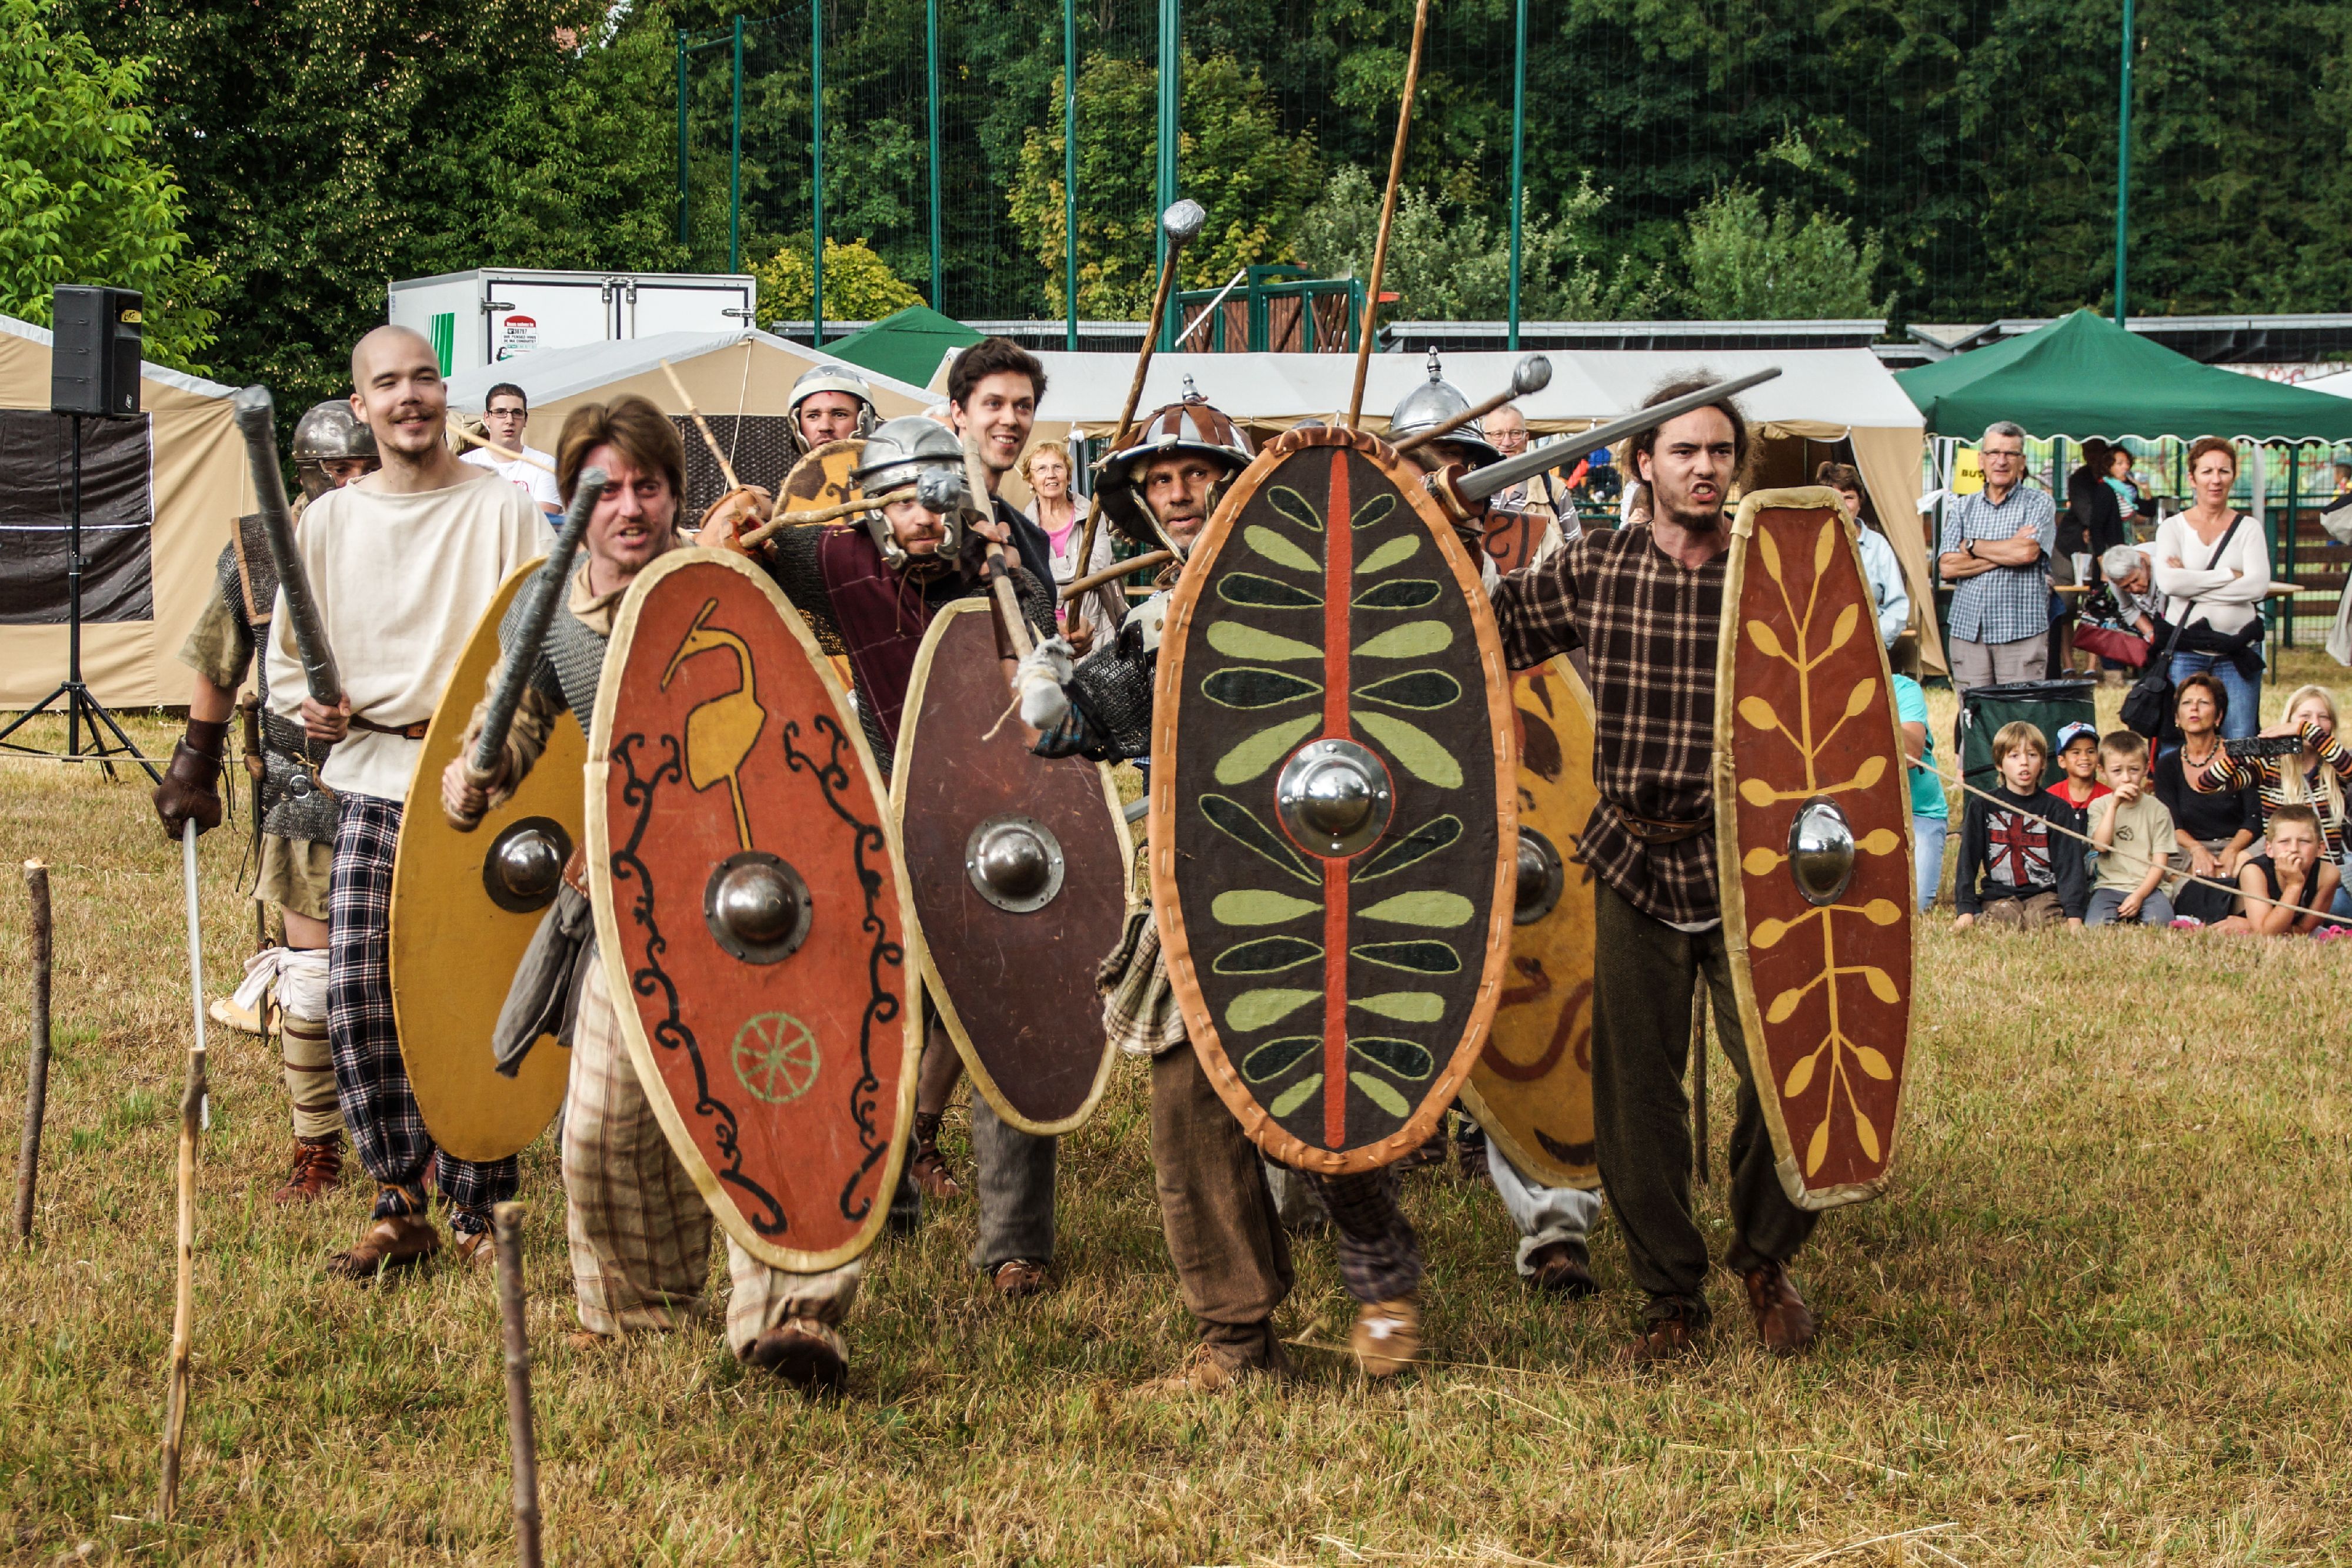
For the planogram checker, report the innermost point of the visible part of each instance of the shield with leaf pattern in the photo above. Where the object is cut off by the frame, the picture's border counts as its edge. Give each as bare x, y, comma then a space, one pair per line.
1813, 826
1333, 837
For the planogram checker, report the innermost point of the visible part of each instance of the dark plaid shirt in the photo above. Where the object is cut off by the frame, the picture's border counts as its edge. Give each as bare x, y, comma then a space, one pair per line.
1648, 627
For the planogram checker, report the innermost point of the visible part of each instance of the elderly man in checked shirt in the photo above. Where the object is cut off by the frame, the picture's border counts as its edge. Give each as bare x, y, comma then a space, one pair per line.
1645, 602
1994, 547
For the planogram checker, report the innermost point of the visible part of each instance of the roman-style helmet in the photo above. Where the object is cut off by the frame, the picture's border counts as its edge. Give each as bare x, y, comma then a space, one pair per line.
828, 378
914, 450
1192, 425
327, 433
1432, 404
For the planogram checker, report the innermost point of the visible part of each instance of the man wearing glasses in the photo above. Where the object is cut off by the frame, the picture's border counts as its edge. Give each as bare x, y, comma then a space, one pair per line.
1993, 547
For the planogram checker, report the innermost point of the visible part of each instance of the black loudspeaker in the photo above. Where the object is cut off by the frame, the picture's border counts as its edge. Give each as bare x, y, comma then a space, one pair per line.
94, 354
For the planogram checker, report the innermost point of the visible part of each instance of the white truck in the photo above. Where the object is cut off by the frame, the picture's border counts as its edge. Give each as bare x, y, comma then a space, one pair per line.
494, 314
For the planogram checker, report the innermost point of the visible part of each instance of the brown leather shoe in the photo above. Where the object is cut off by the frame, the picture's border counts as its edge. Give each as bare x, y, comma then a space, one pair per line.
1386, 1338
475, 1252
1220, 1368
1783, 1321
928, 1166
1016, 1278
397, 1241
318, 1165
1669, 1338
805, 1354
588, 1342
1565, 1267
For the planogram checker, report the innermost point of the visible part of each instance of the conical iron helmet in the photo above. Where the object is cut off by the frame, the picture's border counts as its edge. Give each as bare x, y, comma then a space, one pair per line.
330, 432
1432, 404
913, 449
828, 378
1191, 425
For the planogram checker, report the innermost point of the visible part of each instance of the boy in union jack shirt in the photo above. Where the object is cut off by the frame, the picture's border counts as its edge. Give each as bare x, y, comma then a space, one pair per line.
2016, 869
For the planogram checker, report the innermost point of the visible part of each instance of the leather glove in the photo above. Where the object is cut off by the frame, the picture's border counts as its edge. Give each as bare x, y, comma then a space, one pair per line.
736, 513
191, 784
1039, 678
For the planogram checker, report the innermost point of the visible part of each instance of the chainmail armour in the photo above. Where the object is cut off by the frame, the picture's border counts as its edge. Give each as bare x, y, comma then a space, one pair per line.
294, 805
571, 659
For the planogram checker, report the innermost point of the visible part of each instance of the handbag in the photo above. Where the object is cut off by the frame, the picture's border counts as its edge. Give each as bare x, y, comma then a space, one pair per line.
2108, 642
2148, 706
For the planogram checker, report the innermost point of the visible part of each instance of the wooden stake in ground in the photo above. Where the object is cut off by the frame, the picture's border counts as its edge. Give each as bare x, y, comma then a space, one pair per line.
506, 1228
1388, 215
192, 1116
36, 1072
1698, 1078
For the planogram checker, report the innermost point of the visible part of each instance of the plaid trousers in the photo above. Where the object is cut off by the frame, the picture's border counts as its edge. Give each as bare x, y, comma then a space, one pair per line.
371, 1080
640, 1233
1380, 1256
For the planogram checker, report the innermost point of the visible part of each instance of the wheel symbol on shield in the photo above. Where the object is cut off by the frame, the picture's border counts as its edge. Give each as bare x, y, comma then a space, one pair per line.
775, 1058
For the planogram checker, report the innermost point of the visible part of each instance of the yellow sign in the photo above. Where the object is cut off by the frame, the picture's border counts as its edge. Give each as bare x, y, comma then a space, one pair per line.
1968, 472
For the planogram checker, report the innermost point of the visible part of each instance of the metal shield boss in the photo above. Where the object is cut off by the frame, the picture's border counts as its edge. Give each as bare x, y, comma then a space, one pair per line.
1532, 1086
1333, 835
464, 907
1020, 868
1813, 827
754, 929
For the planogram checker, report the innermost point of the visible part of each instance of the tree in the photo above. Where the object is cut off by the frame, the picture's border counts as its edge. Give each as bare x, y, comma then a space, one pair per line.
1745, 267
79, 200
858, 284
1233, 159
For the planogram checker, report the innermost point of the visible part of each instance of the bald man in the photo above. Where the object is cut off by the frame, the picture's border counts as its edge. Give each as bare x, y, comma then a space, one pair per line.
403, 563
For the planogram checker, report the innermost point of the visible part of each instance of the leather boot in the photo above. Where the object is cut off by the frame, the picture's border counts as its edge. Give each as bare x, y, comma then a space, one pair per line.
1783, 1321
318, 1165
393, 1242
1386, 1338
805, 1354
928, 1165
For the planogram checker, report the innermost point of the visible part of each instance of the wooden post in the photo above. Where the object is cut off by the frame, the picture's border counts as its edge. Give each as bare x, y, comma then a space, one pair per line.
37, 1071
506, 1226
191, 1113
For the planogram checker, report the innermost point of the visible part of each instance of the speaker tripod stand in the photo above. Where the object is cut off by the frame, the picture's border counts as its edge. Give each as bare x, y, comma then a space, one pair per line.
82, 707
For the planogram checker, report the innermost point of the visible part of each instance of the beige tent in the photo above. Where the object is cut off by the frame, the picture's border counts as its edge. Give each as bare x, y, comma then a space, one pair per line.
197, 487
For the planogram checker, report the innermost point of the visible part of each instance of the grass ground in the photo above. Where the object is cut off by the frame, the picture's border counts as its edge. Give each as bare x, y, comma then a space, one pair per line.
2102, 1317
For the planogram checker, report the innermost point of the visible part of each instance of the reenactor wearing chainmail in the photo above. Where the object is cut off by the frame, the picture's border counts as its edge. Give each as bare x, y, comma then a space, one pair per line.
294, 829
1224, 1234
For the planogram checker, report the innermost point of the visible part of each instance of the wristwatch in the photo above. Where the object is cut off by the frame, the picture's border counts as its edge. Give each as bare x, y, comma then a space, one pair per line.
1970, 549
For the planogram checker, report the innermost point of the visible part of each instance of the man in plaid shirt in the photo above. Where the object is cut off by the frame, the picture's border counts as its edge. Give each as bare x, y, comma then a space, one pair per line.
1994, 546
1645, 601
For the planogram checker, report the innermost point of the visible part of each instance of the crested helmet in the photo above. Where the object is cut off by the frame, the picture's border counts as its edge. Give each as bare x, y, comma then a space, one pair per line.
1192, 425
914, 449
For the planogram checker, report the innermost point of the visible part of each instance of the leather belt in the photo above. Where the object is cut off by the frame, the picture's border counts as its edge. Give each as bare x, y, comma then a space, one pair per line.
1650, 830
407, 732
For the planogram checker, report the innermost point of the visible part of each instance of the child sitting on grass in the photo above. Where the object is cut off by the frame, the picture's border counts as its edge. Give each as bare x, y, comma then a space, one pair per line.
2078, 754
2293, 874
2132, 832
2015, 868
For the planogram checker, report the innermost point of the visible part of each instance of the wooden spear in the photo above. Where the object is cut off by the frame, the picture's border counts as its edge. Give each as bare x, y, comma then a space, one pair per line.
506, 1229
784, 520
1150, 561
192, 1114
1388, 216
494, 449
726, 468
36, 1073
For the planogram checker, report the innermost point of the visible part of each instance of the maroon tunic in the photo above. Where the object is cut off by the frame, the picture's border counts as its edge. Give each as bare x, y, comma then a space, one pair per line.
881, 616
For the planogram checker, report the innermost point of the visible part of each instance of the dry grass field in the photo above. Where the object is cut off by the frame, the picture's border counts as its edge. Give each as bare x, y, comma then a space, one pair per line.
2105, 1315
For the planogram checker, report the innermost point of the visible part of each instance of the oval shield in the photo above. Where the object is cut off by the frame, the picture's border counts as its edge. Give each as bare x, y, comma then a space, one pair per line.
1814, 826
1532, 1086
821, 478
1020, 868
1332, 832
464, 907
749, 914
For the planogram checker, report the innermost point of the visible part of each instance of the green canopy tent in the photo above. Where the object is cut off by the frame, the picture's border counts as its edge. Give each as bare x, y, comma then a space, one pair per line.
2084, 375
909, 344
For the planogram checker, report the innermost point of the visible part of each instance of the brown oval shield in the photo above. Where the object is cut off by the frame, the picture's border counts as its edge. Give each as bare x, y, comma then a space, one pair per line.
821, 478
1813, 825
1332, 832
460, 921
1020, 868
749, 914
1532, 1086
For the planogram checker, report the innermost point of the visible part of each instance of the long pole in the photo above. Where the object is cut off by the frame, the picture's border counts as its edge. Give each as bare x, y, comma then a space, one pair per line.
2123, 171
73, 614
1172, 68
191, 1113
735, 164
931, 81
1388, 214
1518, 157
681, 138
817, 176
523, 1440
1070, 175
36, 1072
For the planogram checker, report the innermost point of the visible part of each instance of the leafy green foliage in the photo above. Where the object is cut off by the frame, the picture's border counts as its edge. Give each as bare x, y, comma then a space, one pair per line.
1744, 266
858, 284
81, 201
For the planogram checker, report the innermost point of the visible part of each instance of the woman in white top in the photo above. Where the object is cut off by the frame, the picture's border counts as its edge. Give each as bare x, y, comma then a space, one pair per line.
2214, 579
1061, 512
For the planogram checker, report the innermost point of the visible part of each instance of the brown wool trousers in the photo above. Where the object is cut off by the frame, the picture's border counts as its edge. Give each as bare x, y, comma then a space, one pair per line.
1644, 971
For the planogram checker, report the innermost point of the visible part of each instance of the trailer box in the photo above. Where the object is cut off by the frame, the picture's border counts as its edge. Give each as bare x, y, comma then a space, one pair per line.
489, 314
